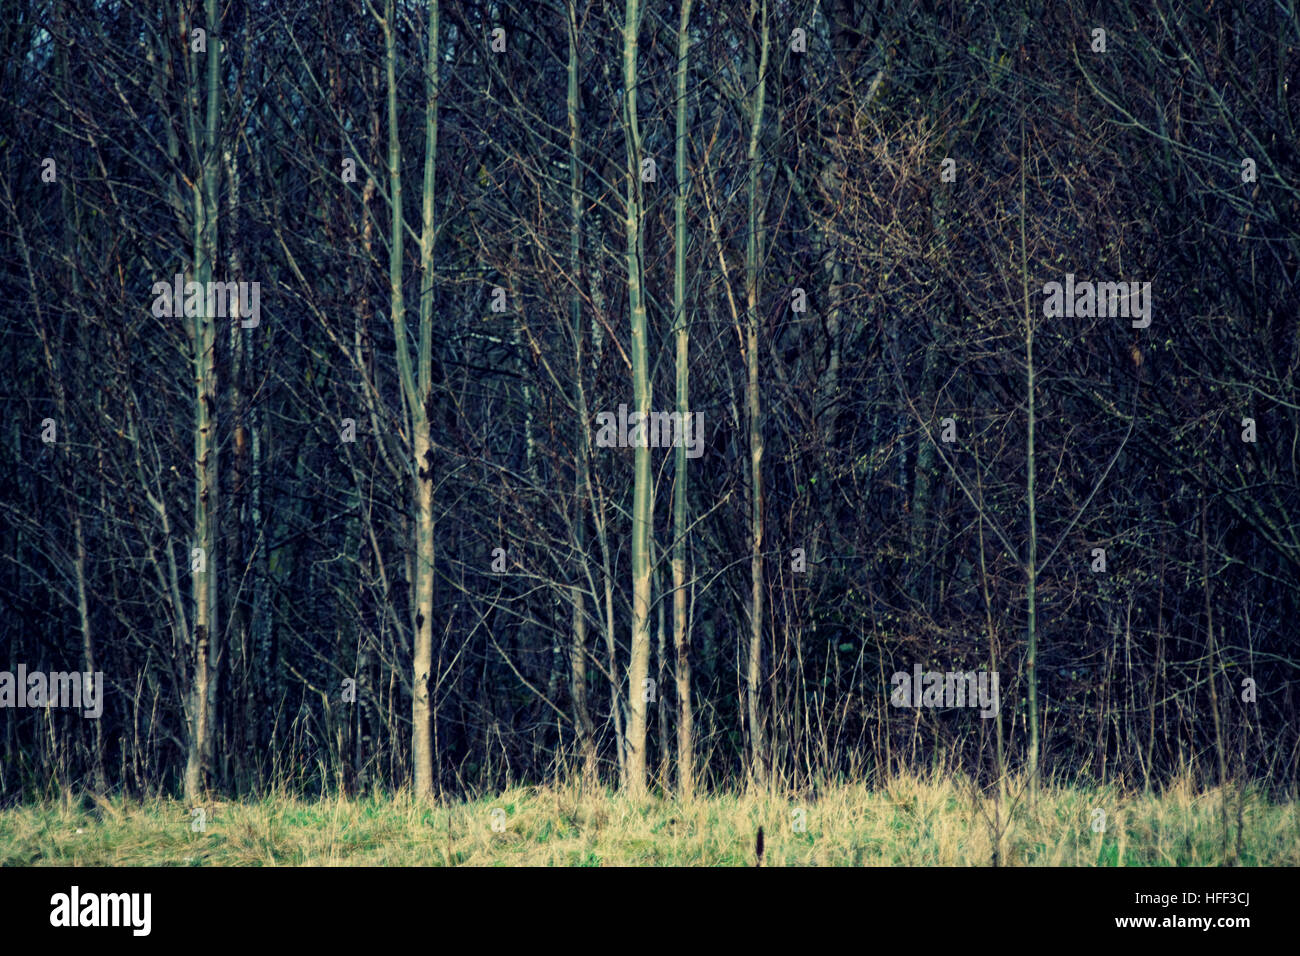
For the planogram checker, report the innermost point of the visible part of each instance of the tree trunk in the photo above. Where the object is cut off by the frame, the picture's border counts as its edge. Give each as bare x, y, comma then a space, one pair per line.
681, 632
1031, 567
578, 648
206, 634
639, 661
753, 255
416, 392
423, 708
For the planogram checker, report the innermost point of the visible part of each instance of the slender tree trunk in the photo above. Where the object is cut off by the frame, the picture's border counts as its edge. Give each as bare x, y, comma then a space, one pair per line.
578, 648
995, 665
639, 661
681, 631
71, 233
611, 648
661, 664
203, 647
423, 712
617, 710
88, 646
753, 255
1031, 566
241, 728
417, 391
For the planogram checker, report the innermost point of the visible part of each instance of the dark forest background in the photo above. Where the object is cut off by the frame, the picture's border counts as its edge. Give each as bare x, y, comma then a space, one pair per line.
828, 535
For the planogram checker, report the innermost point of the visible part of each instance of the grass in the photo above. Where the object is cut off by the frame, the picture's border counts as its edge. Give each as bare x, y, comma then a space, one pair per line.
909, 822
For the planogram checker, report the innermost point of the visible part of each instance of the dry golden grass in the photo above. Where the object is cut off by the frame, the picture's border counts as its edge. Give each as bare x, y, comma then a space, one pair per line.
911, 821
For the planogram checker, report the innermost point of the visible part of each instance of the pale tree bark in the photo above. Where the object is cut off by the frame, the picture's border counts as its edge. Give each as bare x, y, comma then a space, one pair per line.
416, 384
206, 477
423, 714
681, 631
753, 256
639, 660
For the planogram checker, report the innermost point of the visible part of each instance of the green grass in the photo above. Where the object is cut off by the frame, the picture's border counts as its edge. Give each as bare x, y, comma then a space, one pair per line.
909, 822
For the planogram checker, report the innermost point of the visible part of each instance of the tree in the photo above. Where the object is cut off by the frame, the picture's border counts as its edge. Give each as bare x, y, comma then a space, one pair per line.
638, 666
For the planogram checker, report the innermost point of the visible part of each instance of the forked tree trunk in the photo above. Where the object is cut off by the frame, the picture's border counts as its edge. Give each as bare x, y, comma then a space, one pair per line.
416, 384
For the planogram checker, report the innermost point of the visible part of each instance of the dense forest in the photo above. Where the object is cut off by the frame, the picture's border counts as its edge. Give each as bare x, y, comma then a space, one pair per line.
454, 395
